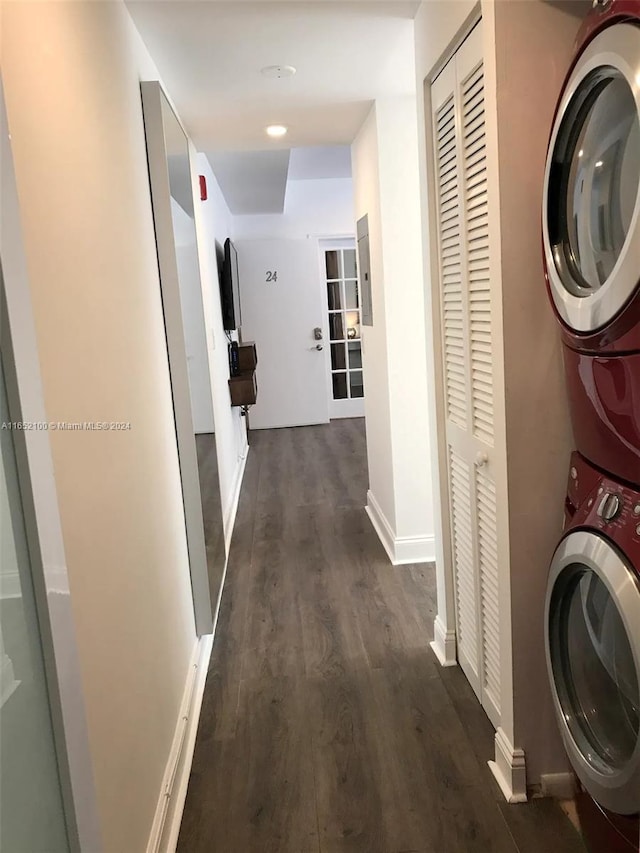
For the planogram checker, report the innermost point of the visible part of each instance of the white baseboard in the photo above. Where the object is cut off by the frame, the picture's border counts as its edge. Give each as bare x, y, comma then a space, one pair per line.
232, 505
166, 822
509, 769
444, 644
286, 425
400, 549
353, 408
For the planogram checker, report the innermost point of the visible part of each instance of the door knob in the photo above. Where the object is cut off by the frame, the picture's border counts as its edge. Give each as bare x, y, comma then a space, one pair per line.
481, 458
319, 347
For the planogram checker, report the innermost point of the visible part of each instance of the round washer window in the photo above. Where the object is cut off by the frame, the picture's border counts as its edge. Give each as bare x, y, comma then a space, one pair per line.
594, 670
594, 179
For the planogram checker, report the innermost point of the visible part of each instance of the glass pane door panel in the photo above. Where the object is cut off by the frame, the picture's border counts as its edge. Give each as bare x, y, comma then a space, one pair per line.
349, 257
339, 386
351, 294
595, 673
336, 327
353, 324
355, 355
598, 153
332, 263
338, 357
334, 296
356, 383
32, 816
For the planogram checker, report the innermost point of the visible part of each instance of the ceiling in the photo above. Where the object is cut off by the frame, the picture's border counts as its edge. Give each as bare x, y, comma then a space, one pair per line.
316, 162
210, 53
252, 181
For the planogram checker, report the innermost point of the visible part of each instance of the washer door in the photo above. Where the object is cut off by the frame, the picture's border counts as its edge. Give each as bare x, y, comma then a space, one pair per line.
593, 656
591, 207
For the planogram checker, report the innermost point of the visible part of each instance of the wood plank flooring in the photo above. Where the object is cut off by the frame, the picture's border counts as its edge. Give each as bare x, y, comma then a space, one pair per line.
327, 725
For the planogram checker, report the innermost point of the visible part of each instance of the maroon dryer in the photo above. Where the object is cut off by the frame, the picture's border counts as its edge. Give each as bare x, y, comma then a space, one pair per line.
591, 236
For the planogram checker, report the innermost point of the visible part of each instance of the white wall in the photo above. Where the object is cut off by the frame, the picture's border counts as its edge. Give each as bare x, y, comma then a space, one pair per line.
215, 223
539, 438
71, 73
385, 166
366, 184
321, 207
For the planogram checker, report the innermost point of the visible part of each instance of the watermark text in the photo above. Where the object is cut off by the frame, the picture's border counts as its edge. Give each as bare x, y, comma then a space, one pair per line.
66, 426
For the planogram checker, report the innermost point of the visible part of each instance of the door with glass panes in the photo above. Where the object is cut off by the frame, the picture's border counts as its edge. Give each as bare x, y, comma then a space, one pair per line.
344, 323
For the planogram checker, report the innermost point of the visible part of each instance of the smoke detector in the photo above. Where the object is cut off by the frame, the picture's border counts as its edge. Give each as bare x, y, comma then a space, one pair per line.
278, 71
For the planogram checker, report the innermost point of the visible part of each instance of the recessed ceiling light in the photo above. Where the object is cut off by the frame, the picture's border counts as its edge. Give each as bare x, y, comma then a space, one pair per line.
278, 71
276, 130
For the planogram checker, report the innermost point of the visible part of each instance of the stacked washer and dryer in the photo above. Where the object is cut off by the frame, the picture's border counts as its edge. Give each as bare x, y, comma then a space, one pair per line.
591, 237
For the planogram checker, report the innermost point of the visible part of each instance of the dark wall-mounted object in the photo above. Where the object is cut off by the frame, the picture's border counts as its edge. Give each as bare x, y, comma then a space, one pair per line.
243, 359
234, 368
243, 389
247, 356
230, 288
364, 265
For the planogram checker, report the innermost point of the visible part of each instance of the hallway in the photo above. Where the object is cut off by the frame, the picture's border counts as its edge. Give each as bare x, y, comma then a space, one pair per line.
327, 724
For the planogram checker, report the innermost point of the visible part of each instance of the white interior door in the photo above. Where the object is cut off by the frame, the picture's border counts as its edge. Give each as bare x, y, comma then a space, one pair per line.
282, 304
465, 297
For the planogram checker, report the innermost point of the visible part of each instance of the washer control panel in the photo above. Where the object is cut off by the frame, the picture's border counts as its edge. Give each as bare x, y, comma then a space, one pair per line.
603, 503
609, 506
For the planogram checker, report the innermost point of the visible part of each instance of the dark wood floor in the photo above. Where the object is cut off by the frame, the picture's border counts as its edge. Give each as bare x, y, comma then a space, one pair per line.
327, 725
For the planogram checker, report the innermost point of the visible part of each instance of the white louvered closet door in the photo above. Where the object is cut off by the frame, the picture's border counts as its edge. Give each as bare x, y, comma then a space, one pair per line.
459, 145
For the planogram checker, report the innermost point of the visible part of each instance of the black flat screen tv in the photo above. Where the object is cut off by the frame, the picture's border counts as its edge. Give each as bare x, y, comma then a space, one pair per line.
230, 288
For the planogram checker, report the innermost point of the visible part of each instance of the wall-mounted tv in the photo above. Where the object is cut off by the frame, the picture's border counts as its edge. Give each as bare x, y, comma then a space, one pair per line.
230, 288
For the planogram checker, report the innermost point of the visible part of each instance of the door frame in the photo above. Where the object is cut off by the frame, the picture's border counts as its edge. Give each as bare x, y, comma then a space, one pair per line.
43, 528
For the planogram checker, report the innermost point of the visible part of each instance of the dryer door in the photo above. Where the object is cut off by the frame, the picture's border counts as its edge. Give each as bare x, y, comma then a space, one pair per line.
591, 204
592, 633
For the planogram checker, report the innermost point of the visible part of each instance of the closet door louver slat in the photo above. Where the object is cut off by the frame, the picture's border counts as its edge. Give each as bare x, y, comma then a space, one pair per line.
451, 271
476, 229
488, 560
461, 522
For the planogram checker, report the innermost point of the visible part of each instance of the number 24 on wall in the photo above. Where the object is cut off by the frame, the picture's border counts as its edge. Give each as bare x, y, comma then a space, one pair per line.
272, 275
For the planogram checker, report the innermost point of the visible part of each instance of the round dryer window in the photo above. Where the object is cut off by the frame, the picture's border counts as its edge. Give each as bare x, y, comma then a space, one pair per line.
593, 656
592, 183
